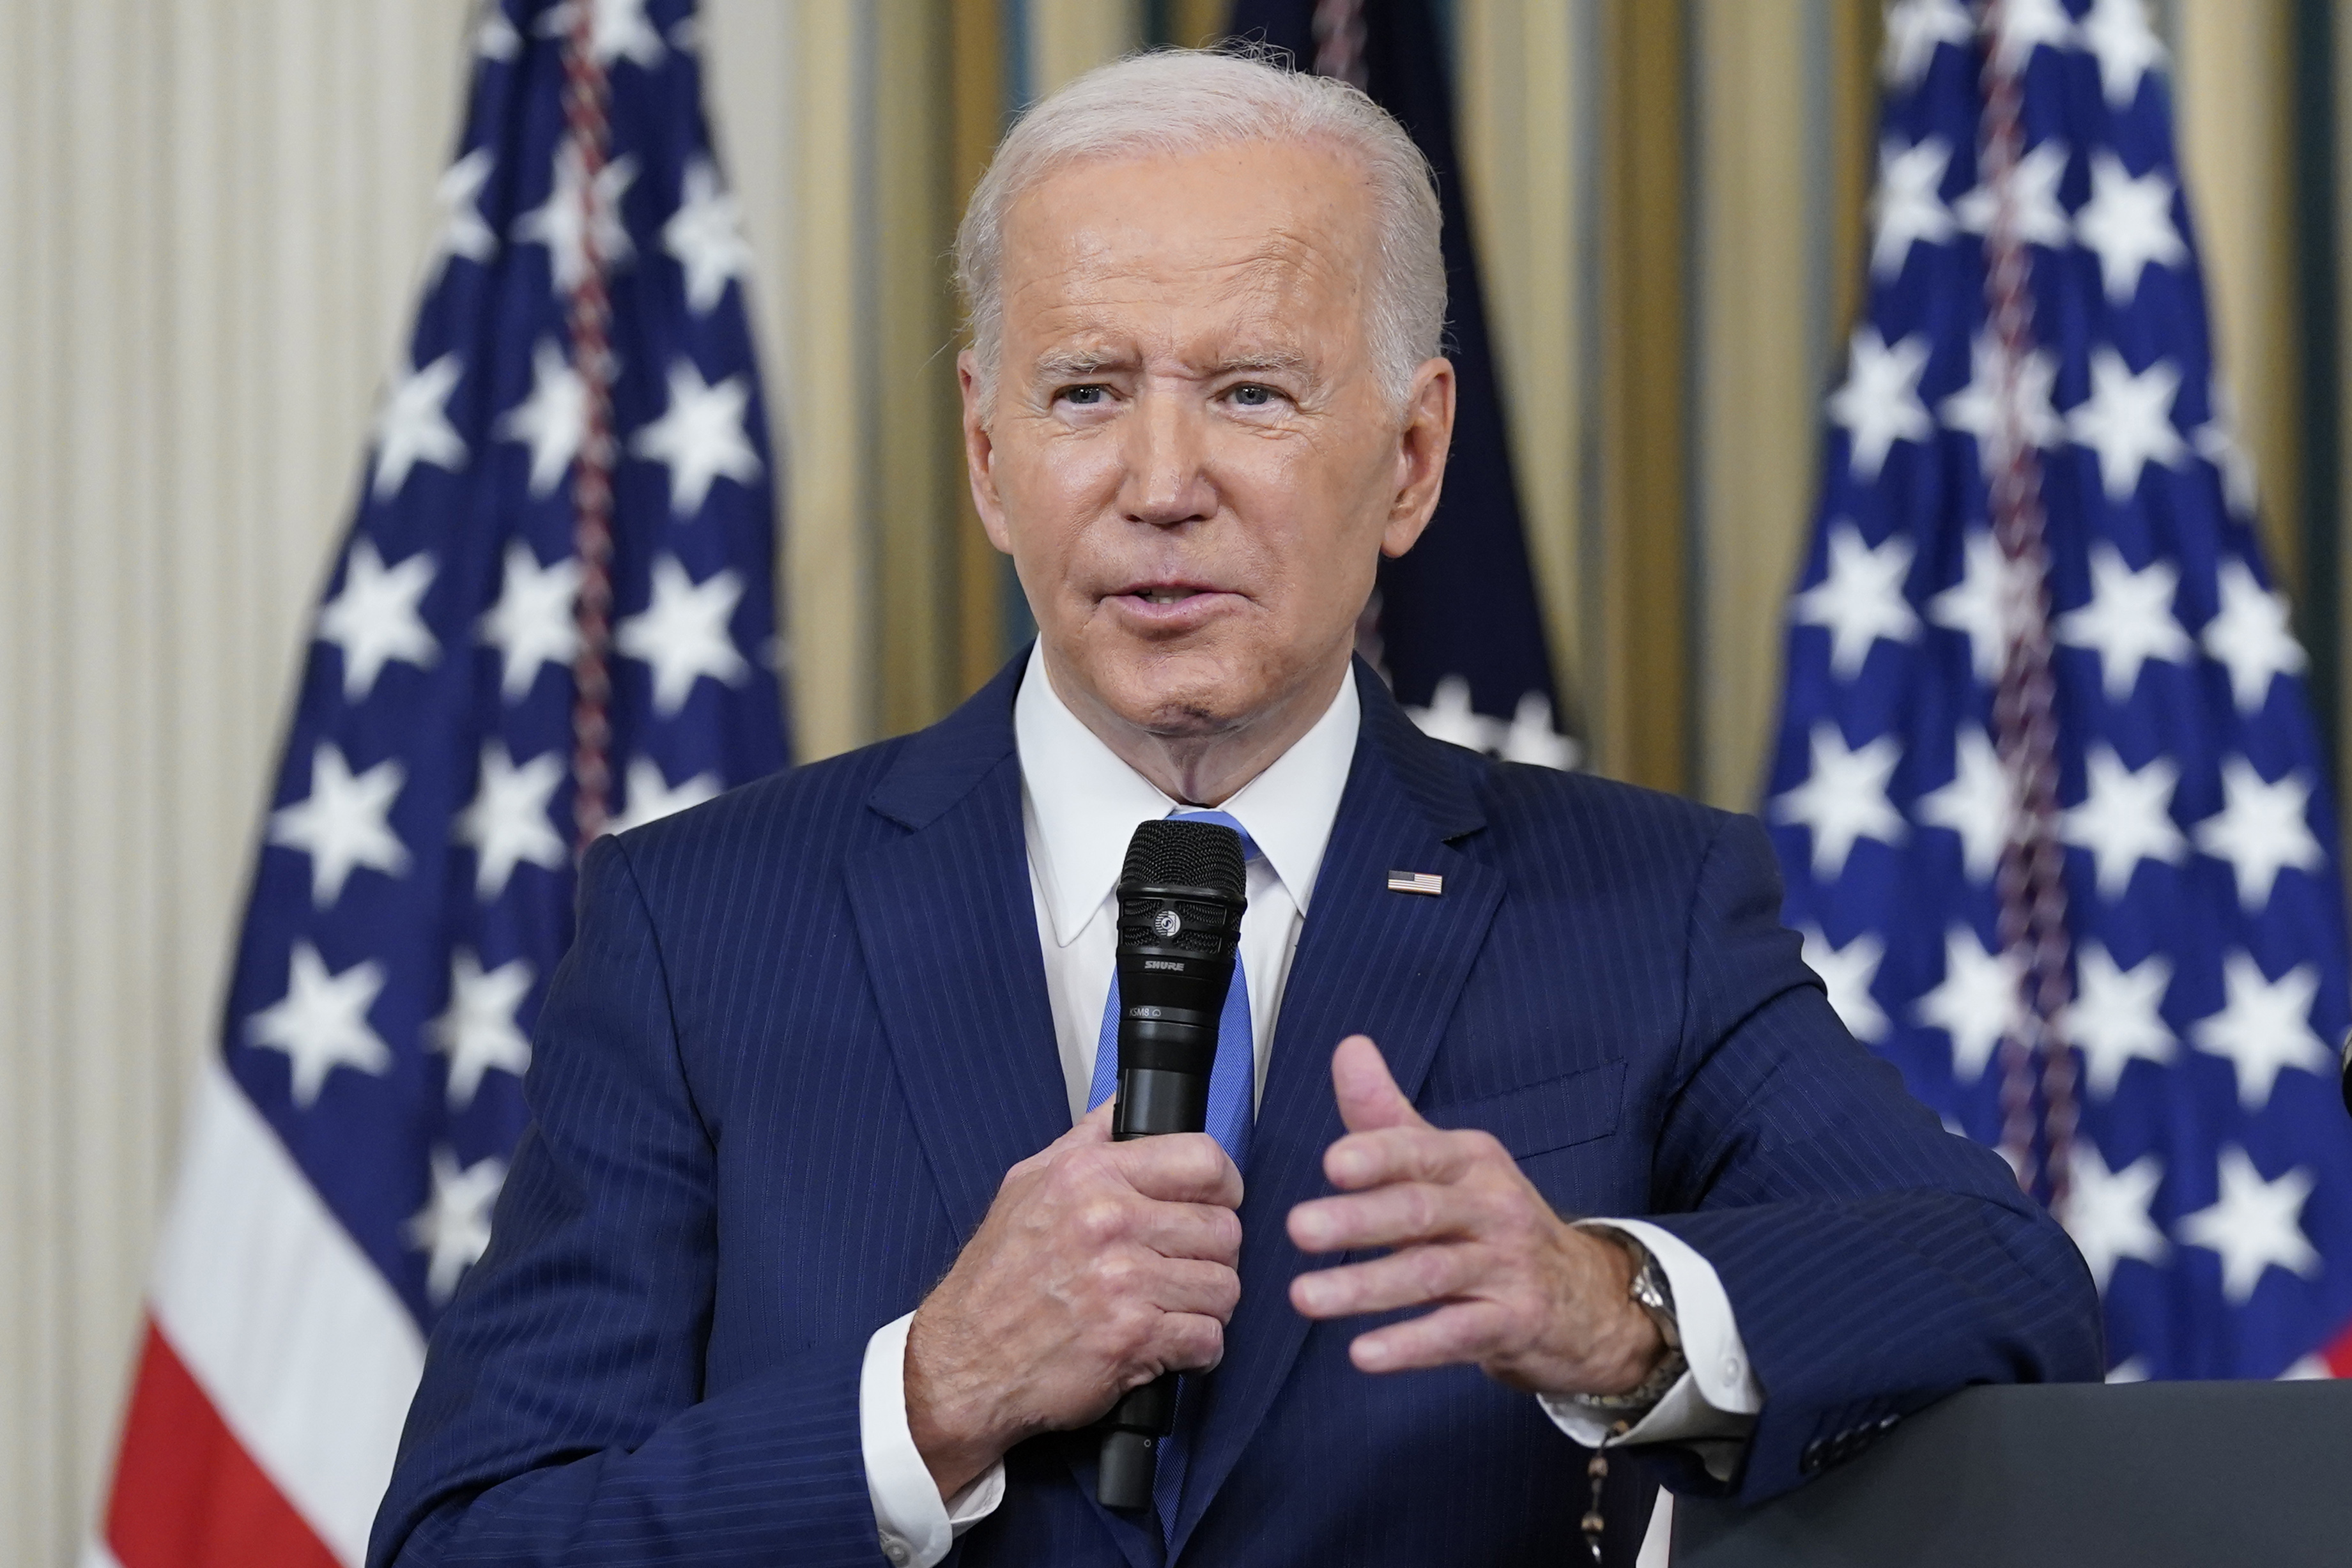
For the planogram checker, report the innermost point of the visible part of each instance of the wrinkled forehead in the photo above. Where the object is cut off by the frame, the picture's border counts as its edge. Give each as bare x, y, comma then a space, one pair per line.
1256, 243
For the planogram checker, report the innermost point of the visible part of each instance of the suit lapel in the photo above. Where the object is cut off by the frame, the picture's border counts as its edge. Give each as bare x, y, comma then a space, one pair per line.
950, 935
1369, 961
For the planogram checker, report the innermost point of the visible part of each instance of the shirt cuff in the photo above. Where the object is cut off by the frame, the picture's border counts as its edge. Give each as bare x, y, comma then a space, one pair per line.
1712, 1408
915, 1525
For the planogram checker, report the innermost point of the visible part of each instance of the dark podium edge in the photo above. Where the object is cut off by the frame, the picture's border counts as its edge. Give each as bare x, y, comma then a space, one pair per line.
2086, 1475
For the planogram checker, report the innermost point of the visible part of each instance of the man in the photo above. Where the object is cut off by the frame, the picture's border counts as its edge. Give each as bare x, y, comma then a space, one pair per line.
804, 1260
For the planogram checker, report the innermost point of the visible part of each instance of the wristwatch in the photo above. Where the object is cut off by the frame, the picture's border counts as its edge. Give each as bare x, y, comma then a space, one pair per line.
1649, 1291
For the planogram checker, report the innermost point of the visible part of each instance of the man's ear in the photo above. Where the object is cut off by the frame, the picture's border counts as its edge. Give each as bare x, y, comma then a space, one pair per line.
1422, 445
979, 453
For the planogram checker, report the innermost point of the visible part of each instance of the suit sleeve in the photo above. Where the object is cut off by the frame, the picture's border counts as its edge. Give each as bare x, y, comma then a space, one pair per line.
1874, 1261
562, 1418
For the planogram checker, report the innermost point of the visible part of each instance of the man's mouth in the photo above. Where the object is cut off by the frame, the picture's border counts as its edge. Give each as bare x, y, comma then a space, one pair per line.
1170, 605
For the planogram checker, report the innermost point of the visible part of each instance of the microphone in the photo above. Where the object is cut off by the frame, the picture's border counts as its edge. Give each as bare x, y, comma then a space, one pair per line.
2347, 1069
1181, 897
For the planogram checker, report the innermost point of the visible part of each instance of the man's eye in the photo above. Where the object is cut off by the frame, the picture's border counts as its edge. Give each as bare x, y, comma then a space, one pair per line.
1249, 394
1085, 397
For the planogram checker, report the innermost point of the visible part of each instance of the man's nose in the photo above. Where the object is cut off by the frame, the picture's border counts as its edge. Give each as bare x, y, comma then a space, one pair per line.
1166, 481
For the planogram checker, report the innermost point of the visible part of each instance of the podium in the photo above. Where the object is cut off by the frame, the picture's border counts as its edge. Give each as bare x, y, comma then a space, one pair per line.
2131, 1475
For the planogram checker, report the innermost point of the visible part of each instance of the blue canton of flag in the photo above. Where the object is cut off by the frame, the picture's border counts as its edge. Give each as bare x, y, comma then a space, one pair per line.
2034, 616
415, 890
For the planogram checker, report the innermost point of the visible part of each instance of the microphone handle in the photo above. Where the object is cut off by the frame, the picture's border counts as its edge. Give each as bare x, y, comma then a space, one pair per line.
1151, 1101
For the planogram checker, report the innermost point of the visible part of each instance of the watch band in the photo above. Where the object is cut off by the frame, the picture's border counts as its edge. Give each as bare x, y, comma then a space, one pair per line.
1649, 1291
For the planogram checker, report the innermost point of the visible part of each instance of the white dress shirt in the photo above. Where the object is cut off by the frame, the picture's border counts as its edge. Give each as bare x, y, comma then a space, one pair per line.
1079, 805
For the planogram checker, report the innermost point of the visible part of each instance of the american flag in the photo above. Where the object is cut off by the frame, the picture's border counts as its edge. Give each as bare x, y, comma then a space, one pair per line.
553, 615
2054, 818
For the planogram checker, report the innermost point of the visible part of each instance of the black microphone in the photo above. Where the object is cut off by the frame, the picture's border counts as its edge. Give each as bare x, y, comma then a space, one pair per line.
1181, 898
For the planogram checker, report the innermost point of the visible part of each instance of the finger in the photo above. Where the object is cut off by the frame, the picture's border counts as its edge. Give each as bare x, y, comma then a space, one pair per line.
1459, 1332
1182, 1168
1187, 1287
1422, 1153
1209, 1232
1396, 1215
1188, 1341
1093, 1127
1413, 1277
1368, 1098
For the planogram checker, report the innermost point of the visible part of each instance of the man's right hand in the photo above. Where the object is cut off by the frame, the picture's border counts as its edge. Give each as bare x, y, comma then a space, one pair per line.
1098, 1266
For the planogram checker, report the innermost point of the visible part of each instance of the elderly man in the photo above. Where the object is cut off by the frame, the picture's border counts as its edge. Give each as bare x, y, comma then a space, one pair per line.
816, 1252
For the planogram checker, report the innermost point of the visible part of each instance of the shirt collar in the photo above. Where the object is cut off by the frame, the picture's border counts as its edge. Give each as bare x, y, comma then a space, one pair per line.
1083, 804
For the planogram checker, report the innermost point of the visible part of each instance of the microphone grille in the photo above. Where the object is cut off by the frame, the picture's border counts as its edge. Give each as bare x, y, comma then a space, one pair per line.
1170, 853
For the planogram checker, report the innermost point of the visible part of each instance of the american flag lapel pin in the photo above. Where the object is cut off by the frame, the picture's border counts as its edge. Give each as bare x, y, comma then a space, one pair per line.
1428, 882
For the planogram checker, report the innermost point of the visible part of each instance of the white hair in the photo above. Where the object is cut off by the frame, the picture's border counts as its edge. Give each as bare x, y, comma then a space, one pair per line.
1180, 102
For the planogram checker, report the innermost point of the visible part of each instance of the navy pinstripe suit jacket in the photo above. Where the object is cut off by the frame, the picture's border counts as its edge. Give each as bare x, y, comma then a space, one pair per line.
804, 1031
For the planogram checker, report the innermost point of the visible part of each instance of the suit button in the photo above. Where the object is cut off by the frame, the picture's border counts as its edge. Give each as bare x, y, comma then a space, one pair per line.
1886, 1423
1810, 1459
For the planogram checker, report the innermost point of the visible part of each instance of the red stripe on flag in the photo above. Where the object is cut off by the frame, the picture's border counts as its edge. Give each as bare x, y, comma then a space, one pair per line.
2338, 1356
186, 1494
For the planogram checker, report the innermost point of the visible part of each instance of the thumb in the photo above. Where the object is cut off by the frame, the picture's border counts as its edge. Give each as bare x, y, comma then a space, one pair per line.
1093, 1127
1368, 1098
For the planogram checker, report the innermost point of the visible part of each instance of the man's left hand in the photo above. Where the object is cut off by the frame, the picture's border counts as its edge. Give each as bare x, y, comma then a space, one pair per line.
1532, 1300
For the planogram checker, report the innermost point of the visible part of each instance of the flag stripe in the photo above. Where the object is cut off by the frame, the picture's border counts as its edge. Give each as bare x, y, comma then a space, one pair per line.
296, 1340
187, 1495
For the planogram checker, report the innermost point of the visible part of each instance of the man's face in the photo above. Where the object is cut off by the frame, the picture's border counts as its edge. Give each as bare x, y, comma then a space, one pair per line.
1190, 458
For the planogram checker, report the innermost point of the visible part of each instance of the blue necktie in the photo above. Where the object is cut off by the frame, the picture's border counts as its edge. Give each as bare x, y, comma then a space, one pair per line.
1232, 1094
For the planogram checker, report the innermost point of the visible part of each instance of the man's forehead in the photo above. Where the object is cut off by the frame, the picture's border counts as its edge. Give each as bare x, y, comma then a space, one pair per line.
1260, 236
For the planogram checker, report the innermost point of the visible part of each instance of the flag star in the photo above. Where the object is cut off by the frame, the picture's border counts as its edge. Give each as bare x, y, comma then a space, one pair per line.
1859, 599
2264, 1027
2106, 1214
1979, 805
495, 37
536, 620
553, 421
462, 232
1879, 403
478, 1031
2129, 223
1907, 207
2261, 828
1843, 798
700, 437
2217, 442
2129, 621
322, 1023
566, 227
508, 822
618, 30
2116, 1019
453, 1228
1914, 29
413, 425
2125, 818
2117, 33
1976, 1002
1984, 603
2026, 24
2249, 636
682, 633
650, 797
374, 618
2254, 1225
1980, 409
705, 236
2127, 420
1532, 738
2041, 216
1848, 972
341, 824
1450, 718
